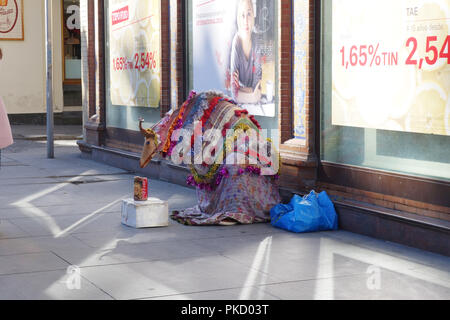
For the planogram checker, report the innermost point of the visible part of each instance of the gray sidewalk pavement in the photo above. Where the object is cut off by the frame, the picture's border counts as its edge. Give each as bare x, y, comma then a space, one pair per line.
39, 132
60, 218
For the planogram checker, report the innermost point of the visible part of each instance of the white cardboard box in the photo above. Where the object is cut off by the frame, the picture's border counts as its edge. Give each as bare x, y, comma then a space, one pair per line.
143, 214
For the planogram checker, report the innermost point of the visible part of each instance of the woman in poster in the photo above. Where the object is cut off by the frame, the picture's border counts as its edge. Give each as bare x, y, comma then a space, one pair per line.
5, 129
245, 64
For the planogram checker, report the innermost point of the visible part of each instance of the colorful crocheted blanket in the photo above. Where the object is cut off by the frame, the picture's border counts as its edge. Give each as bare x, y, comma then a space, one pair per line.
210, 132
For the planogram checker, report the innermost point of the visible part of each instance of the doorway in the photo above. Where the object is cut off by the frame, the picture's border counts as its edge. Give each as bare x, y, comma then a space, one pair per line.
72, 91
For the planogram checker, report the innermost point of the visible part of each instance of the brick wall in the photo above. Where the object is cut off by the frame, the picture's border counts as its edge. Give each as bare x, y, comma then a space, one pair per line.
93, 78
84, 60
179, 50
176, 53
285, 69
386, 201
91, 57
100, 107
298, 158
310, 109
165, 57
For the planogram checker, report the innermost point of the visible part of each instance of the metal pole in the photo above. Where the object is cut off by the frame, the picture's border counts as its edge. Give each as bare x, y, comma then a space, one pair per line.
48, 47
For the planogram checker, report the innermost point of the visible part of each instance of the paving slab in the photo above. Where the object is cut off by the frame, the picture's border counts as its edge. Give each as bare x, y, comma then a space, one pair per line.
391, 286
31, 262
50, 285
313, 256
25, 210
17, 195
75, 252
29, 131
301, 256
17, 173
123, 252
19, 182
60, 225
24, 245
174, 232
19, 246
252, 293
56, 213
9, 230
425, 258
177, 276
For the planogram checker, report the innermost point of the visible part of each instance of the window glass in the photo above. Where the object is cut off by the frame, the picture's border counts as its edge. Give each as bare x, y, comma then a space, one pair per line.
71, 35
241, 62
71, 53
133, 62
378, 110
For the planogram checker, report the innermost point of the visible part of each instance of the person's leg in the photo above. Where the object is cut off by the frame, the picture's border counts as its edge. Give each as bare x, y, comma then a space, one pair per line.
6, 138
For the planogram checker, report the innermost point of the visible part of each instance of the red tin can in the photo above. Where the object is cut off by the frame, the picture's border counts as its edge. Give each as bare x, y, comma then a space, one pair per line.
140, 188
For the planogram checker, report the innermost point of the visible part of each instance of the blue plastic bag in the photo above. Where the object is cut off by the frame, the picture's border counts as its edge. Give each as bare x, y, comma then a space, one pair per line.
313, 212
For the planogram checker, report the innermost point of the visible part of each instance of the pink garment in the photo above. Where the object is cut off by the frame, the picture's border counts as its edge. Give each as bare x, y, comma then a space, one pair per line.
5, 129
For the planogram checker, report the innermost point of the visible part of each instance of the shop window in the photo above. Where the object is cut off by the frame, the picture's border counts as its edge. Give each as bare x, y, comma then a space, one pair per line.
385, 100
232, 48
72, 43
132, 62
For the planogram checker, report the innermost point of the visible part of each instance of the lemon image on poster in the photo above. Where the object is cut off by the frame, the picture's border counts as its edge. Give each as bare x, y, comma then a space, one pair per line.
431, 21
441, 76
429, 111
155, 86
141, 93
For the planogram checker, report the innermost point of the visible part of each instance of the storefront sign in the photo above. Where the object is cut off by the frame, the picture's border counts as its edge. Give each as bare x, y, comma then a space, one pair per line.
391, 65
135, 47
234, 51
11, 19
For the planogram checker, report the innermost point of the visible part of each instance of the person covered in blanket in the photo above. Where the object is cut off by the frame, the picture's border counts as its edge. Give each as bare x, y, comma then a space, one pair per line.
228, 192
245, 63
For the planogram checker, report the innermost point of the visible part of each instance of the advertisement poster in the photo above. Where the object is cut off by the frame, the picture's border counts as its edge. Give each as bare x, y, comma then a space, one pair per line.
135, 47
391, 65
11, 19
234, 51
